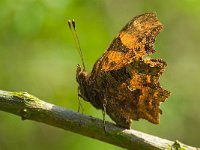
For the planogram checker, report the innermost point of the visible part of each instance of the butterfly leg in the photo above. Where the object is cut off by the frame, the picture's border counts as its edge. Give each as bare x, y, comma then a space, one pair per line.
80, 106
104, 114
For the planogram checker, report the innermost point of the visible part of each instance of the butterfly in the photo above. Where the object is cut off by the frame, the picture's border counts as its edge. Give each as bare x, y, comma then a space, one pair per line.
123, 82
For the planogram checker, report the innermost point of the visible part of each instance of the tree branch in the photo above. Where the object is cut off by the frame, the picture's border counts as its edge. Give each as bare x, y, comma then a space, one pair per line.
30, 107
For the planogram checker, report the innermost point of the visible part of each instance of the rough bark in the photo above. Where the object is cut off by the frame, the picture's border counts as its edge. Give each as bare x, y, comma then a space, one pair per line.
30, 107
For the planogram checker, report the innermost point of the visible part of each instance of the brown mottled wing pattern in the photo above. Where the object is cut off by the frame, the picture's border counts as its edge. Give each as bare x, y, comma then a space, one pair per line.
124, 80
133, 42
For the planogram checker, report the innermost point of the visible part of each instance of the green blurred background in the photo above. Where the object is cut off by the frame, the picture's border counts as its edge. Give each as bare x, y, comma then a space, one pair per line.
38, 55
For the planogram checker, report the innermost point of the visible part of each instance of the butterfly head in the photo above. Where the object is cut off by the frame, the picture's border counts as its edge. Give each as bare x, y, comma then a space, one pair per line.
82, 79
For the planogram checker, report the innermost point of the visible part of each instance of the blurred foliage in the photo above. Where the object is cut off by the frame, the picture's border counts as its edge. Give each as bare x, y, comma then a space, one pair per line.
38, 55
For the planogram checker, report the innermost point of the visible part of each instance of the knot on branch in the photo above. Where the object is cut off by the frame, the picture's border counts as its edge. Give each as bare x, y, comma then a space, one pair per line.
25, 113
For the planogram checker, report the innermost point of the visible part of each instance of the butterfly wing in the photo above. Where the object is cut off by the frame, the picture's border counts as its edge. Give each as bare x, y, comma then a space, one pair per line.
123, 80
133, 42
133, 91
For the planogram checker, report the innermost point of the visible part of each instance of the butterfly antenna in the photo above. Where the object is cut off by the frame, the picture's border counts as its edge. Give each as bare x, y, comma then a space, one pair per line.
72, 26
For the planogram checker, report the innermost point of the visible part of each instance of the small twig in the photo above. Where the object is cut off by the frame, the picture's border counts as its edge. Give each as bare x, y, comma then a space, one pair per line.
31, 108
